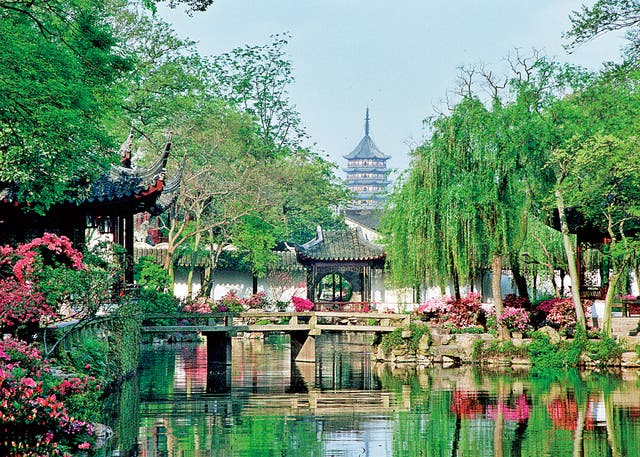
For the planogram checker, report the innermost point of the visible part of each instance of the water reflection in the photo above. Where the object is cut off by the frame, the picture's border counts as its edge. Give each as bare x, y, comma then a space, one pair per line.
342, 406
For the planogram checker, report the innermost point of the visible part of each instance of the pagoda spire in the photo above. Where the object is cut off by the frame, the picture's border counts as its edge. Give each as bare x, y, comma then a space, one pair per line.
366, 123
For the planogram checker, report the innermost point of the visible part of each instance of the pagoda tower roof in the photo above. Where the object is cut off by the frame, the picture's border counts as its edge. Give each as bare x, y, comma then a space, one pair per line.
366, 149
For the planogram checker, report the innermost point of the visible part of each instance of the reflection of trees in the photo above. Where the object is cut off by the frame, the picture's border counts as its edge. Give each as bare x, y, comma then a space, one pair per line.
122, 410
441, 413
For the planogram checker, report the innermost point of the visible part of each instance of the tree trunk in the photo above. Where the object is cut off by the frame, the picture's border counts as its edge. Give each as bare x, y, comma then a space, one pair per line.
214, 255
608, 302
455, 278
496, 292
636, 272
549, 265
192, 267
571, 261
520, 280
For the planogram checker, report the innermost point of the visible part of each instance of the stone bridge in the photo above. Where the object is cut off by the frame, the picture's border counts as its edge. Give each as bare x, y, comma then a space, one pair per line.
303, 327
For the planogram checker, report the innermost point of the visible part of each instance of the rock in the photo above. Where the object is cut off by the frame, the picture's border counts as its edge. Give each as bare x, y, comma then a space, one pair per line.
629, 360
552, 333
424, 344
103, 433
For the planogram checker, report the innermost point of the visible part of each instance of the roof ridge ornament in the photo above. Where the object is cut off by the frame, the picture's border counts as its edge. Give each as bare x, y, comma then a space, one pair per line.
366, 123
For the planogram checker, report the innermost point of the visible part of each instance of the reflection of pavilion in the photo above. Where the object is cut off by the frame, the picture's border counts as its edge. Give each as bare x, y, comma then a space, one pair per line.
339, 267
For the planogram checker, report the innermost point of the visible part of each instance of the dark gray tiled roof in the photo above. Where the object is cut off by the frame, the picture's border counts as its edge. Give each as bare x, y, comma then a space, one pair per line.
119, 185
340, 245
366, 149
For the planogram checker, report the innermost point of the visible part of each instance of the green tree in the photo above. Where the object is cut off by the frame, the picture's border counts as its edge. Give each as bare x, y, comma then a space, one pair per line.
465, 203
58, 72
171, 80
256, 79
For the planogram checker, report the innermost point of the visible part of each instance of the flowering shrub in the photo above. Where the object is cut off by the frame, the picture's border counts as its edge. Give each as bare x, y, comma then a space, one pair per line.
21, 308
514, 318
302, 304
434, 308
230, 302
463, 313
561, 312
514, 301
466, 311
37, 278
199, 305
34, 417
256, 301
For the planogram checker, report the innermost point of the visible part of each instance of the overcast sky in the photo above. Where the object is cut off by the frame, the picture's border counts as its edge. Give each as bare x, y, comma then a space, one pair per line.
399, 58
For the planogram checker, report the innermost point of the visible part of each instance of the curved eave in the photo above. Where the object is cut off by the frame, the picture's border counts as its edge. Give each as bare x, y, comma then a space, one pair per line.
158, 168
382, 171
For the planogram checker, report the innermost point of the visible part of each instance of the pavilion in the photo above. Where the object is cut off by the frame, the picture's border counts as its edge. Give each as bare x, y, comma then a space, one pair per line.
108, 204
339, 266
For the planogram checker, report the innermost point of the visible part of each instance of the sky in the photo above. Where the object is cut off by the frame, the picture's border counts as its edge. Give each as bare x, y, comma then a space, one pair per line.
399, 58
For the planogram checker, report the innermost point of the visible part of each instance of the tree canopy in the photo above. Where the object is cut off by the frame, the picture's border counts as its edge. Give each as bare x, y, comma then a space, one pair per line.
58, 67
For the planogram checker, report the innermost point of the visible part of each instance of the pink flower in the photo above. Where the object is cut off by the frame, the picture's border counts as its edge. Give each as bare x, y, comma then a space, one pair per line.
29, 382
302, 304
84, 446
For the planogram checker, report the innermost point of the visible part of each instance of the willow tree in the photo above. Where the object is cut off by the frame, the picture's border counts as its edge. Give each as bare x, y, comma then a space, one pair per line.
465, 204
596, 165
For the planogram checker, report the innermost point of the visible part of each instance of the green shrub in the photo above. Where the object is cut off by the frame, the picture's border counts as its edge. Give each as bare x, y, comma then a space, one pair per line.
545, 354
605, 349
394, 339
152, 301
149, 275
474, 329
497, 348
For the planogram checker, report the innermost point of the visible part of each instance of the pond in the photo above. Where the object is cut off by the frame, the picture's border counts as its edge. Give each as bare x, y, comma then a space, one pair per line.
342, 405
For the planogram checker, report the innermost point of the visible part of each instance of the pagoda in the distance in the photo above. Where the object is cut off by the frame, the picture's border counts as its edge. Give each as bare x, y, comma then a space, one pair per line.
367, 172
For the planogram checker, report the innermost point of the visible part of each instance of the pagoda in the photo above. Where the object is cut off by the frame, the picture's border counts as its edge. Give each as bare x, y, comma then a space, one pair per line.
367, 172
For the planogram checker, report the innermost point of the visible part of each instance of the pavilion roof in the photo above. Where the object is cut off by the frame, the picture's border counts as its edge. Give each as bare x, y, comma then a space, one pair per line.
139, 189
347, 245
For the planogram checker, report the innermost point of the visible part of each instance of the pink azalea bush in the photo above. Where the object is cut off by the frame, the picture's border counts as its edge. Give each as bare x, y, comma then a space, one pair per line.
230, 302
514, 301
34, 415
463, 313
466, 312
40, 282
302, 304
27, 297
200, 305
561, 312
434, 308
514, 318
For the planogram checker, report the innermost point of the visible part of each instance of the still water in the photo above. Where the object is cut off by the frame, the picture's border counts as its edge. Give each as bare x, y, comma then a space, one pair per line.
264, 405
